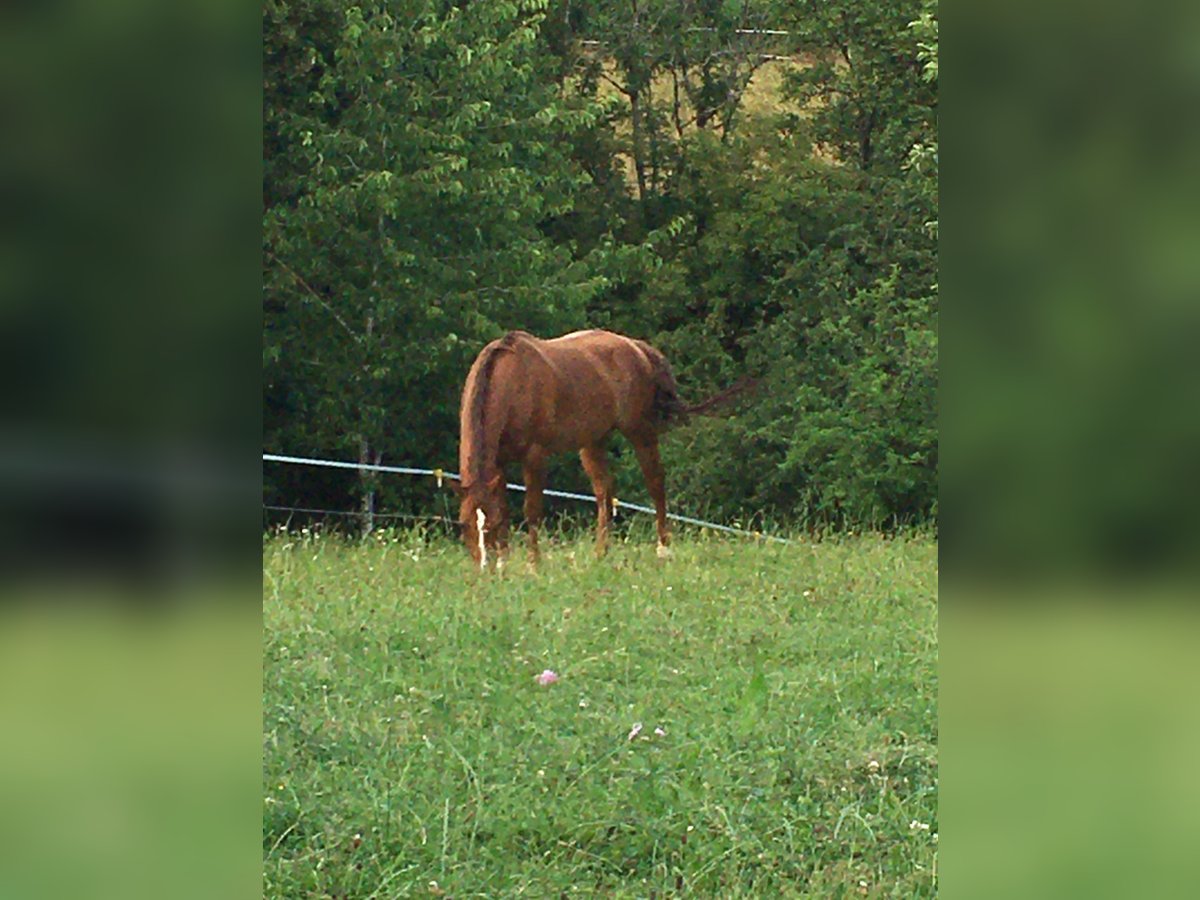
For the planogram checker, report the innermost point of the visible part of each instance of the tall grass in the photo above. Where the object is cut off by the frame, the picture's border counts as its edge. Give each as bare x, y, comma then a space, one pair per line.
786, 697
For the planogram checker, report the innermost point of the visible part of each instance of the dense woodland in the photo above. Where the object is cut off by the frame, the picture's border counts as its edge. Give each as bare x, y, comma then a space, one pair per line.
749, 184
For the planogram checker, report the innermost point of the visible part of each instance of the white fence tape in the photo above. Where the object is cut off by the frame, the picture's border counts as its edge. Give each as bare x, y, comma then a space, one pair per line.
567, 495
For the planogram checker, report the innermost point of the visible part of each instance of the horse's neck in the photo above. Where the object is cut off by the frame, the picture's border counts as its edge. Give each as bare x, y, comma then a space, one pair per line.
483, 438
483, 455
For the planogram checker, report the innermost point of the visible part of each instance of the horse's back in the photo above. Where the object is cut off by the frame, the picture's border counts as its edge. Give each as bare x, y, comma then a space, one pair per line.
572, 390
604, 348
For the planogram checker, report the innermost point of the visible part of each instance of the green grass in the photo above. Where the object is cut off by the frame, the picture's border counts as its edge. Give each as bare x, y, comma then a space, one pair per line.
408, 749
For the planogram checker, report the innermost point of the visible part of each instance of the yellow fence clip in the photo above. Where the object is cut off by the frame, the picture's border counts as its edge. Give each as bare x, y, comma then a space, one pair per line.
615, 504
437, 473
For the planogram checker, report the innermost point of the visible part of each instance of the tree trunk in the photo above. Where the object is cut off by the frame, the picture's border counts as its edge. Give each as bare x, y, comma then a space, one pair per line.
369, 480
635, 122
865, 130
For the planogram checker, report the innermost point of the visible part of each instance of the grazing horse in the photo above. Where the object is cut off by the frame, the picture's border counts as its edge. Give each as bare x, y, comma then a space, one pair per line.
526, 399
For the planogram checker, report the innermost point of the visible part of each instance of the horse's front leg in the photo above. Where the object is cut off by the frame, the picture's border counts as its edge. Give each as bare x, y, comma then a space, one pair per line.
535, 484
595, 463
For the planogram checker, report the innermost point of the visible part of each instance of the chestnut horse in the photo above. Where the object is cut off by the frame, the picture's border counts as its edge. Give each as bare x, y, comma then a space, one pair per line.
527, 398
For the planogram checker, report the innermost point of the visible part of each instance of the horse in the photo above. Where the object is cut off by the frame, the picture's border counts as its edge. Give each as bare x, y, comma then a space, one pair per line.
526, 399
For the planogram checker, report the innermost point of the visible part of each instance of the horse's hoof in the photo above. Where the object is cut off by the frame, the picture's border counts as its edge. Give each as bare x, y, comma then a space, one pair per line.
664, 552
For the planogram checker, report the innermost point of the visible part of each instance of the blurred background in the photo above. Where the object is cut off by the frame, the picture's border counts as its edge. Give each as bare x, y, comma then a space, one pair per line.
128, 272
1070, 423
130, 330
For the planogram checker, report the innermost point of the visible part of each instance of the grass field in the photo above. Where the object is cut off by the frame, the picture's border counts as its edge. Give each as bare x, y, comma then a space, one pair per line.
786, 695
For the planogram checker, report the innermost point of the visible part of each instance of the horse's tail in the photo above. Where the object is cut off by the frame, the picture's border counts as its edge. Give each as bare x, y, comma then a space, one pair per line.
670, 410
719, 401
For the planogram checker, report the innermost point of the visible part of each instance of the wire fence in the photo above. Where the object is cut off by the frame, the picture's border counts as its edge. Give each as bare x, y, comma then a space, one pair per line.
442, 475
356, 514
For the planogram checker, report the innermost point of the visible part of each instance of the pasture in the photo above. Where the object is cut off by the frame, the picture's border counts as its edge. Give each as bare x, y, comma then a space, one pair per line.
742, 720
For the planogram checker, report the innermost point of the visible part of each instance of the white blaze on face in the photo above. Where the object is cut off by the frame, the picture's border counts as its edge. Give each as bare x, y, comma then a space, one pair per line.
481, 526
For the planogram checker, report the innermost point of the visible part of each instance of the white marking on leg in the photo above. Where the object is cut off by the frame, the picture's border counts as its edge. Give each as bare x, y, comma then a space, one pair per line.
664, 552
481, 527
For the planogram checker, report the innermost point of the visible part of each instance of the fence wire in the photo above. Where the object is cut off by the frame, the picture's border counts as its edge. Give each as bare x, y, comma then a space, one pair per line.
442, 474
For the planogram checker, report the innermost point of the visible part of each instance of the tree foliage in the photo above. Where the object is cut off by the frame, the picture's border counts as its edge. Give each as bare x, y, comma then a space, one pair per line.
419, 154
436, 173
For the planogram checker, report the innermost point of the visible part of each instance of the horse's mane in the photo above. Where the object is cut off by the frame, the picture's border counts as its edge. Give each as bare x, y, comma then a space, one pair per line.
475, 406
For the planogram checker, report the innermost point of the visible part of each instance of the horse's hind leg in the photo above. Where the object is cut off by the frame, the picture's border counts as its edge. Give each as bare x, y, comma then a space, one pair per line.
595, 463
535, 484
652, 471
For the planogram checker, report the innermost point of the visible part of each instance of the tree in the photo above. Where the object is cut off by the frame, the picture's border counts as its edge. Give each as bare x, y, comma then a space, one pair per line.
414, 157
867, 101
675, 66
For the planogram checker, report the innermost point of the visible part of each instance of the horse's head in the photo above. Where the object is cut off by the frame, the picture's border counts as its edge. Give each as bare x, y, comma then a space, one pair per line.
484, 519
